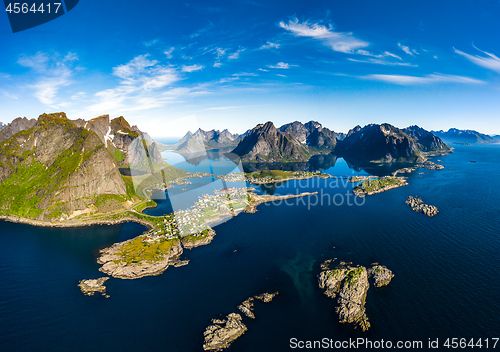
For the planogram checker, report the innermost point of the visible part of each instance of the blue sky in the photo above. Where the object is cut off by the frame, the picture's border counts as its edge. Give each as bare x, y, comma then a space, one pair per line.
171, 66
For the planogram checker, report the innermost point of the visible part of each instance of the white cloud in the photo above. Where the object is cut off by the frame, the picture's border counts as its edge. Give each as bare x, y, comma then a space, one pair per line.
217, 64
134, 67
432, 78
277, 74
270, 45
281, 65
491, 61
386, 53
51, 71
143, 85
236, 54
407, 50
169, 52
191, 68
151, 42
220, 52
263, 69
382, 62
338, 41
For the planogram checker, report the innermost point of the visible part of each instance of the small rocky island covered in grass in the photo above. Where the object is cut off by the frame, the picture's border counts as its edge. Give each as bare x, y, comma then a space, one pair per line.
350, 284
378, 185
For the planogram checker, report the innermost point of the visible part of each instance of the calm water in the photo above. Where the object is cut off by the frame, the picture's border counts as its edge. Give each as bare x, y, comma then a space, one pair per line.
446, 269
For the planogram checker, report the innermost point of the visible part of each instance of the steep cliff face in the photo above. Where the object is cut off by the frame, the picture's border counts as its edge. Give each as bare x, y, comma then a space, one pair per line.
61, 168
426, 140
297, 129
379, 143
313, 134
18, 125
56, 168
265, 143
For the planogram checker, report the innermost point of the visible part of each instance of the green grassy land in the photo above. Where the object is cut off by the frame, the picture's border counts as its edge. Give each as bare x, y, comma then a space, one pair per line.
137, 250
374, 185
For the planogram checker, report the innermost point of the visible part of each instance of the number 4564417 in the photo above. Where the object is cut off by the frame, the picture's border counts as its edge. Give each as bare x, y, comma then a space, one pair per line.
25, 8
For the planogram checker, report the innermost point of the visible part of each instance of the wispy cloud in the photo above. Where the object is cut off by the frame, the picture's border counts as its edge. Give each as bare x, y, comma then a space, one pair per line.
52, 72
169, 52
270, 45
382, 62
263, 69
217, 64
277, 74
191, 68
407, 49
144, 84
338, 41
202, 31
151, 42
432, 78
490, 61
281, 65
236, 54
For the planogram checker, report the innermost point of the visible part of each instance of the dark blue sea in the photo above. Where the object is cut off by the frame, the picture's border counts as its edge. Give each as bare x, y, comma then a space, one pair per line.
446, 284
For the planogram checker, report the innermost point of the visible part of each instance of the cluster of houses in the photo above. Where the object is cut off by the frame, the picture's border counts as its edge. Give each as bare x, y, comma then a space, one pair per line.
193, 221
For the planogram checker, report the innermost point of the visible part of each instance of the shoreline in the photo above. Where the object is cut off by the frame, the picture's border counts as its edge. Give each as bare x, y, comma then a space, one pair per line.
80, 223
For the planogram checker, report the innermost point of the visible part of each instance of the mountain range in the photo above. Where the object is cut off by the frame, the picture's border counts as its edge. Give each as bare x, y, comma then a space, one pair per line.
55, 168
201, 140
375, 143
455, 135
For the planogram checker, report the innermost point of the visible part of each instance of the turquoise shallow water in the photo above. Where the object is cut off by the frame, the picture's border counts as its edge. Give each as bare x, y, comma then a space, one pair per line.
446, 270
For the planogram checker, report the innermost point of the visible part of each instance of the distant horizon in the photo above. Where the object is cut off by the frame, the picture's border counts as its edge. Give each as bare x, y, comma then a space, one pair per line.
234, 64
178, 137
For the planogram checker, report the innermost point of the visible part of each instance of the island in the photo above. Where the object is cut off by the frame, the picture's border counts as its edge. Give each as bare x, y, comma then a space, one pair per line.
350, 284
223, 332
378, 185
89, 287
417, 204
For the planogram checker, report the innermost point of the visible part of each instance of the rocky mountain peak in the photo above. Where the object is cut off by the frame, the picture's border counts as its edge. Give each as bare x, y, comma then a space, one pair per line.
379, 143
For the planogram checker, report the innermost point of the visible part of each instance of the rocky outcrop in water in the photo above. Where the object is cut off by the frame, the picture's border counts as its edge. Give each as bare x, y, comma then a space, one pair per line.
267, 297
222, 333
246, 307
417, 204
349, 285
91, 286
381, 275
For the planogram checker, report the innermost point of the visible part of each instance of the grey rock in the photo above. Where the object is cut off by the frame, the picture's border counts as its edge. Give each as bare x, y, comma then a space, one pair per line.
219, 336
89, 287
